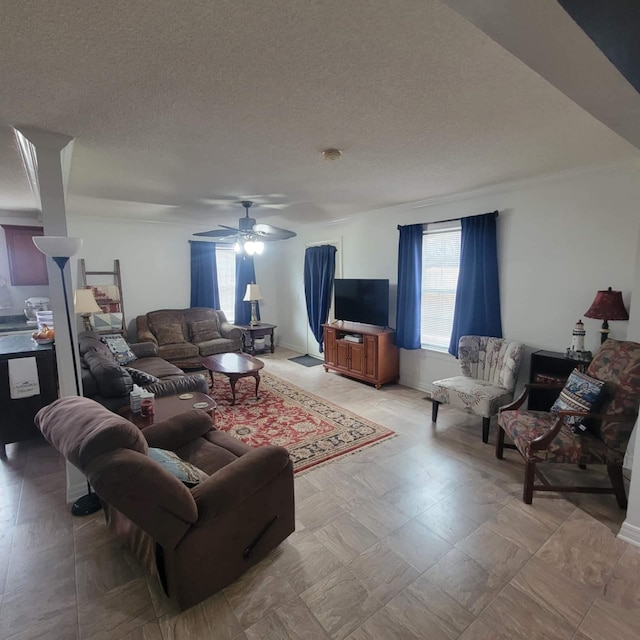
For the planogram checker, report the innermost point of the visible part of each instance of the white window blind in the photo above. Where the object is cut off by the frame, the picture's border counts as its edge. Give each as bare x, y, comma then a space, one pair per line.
226, 262
440, 267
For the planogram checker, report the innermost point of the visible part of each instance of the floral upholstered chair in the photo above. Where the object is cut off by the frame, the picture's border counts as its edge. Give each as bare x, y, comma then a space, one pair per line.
489, 373
543, 437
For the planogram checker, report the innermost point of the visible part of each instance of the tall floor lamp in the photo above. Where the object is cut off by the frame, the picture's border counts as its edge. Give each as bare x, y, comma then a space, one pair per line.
60, 249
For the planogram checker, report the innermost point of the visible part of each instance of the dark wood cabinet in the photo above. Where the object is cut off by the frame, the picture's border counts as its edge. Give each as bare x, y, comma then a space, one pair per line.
374, 358
27, 265
550, 367
16, 415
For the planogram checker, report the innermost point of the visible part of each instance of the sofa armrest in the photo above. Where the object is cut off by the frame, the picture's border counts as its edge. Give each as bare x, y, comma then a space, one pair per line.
145, 493
178, 430
230, 331
175, 386
144, 349
239, 480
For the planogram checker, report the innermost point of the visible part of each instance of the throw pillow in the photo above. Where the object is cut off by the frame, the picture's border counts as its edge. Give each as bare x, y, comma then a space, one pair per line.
203, 330
119, 348
581, 393
187, 473
170, 334
141, 377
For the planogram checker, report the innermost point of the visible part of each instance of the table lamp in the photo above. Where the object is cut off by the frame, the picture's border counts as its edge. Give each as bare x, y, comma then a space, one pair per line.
60, 249
85, 304
252, 295
608, 305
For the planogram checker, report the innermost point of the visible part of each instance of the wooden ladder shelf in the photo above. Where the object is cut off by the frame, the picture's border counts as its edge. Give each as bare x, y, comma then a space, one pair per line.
117, 281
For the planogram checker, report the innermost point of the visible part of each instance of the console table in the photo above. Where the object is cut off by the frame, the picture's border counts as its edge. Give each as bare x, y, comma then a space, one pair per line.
16, 415
252, 331
373, 358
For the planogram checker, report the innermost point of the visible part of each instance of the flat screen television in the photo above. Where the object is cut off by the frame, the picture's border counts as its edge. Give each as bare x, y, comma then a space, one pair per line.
359, 300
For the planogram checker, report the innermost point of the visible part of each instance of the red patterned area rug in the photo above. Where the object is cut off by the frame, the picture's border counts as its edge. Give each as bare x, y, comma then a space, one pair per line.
313, 430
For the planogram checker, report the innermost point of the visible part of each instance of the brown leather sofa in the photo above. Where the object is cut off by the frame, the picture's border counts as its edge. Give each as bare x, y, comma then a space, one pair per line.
198, 540
109, 383
184, 336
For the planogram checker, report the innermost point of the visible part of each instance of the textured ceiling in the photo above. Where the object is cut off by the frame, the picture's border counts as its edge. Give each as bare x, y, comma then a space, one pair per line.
179, 109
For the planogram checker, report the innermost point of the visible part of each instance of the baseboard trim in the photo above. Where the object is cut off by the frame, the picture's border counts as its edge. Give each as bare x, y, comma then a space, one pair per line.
630, 533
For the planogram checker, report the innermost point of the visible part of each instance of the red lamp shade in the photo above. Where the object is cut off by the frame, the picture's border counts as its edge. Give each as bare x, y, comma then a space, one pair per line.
608, 305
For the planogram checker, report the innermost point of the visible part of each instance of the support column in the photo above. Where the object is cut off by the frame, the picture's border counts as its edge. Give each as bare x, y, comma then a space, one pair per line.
47, 159
630, 530
47, 150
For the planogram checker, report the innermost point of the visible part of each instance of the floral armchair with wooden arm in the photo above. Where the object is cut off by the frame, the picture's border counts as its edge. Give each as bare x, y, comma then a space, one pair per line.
544, 437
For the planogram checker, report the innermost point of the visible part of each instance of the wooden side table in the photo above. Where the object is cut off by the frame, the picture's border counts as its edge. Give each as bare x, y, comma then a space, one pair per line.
251, 332
550, 367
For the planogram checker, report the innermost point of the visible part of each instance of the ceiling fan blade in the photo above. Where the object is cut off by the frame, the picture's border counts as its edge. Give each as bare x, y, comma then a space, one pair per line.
269, 232
218, 233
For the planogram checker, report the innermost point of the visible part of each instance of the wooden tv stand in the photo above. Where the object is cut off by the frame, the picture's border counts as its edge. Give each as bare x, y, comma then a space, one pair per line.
374, 359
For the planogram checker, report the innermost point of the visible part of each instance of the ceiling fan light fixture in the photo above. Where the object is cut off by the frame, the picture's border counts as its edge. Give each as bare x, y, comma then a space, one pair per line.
332, 154
254, 247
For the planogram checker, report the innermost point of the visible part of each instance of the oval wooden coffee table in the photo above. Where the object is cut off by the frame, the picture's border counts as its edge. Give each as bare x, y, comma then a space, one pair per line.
234, 366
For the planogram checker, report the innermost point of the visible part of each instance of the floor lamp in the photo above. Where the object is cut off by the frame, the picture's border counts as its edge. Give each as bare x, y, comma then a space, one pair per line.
60, 249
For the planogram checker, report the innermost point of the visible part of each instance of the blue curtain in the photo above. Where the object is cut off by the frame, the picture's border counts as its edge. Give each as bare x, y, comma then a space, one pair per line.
204, 275
409, 286
245, 274
319, 270
477, 309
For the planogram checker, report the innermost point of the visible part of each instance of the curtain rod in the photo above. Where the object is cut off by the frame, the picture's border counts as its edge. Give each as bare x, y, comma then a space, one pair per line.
495, 213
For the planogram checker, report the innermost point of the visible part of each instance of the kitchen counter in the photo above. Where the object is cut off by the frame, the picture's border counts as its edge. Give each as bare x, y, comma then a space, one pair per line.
16, 415
11, 324
21, 344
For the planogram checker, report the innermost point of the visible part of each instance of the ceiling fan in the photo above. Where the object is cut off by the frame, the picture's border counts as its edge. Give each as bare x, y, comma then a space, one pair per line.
249, 232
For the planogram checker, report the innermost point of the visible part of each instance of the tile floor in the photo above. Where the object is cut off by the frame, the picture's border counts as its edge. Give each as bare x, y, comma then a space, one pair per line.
423, 536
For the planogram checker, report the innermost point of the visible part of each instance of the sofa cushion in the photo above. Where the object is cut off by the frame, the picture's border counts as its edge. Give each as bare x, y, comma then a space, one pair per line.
111, 379
164, 317
477, 396
187, 473
141, 377
219, 345
158, 367
119, 348
83, 430
178, 351
203, 330
170, 334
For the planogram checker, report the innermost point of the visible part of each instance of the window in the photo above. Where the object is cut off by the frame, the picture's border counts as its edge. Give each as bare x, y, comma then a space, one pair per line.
440, 267
226, 261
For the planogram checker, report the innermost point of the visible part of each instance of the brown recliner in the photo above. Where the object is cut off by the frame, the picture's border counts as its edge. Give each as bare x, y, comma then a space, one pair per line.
196, 540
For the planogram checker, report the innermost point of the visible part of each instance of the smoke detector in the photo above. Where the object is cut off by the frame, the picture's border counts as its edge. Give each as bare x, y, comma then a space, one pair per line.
332, 154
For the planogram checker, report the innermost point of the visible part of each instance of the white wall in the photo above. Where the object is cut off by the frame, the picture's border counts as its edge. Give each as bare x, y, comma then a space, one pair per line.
155, 264
561, 238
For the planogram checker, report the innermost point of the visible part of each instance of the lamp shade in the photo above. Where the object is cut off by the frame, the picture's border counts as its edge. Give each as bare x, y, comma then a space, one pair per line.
252, 293
608, 305
84, 302
58, 246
